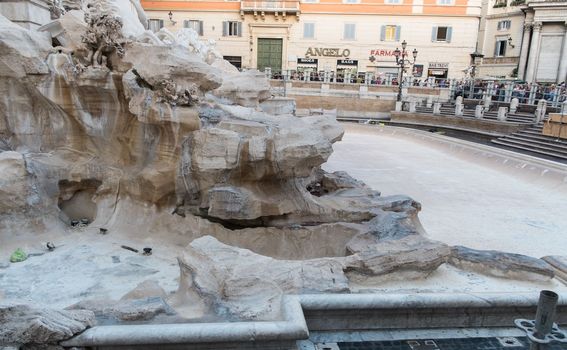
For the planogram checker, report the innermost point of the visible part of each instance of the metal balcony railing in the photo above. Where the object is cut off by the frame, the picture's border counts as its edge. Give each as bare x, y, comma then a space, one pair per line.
270, 6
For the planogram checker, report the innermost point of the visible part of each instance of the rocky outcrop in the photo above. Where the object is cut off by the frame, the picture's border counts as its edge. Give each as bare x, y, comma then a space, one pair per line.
409, 257
248, 285
26, 325
499, 264
559, 265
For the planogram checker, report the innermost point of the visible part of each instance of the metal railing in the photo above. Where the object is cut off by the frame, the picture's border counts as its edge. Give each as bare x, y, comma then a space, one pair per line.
495, 91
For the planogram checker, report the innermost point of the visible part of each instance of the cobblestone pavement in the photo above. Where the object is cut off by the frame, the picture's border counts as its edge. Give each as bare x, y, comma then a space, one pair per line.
508, 343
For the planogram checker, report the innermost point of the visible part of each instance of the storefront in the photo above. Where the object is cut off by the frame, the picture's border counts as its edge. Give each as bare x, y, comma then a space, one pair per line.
346, 68
438, 70
308, 66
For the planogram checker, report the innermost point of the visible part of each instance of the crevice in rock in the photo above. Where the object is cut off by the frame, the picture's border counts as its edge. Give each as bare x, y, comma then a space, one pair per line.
141, 81
76, 201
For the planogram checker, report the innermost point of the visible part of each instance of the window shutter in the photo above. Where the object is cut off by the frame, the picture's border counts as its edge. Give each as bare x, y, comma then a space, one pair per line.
201, 28
185, 24
239, 29
496, 48
504, 48
434, 34
499, 25
224, 28
449, 34
160, 23
383, 33
398, 32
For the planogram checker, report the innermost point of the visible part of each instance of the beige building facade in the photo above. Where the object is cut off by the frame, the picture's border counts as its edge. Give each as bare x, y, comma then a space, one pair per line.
527, 41
333, 36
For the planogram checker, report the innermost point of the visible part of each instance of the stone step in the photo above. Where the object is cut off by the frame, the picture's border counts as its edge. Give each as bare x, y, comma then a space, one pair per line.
537, 134
553, 144
542, 138
549, 151
529, 149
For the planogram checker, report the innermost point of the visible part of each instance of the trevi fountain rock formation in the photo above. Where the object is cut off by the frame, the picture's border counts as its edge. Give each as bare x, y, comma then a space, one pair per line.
107, 126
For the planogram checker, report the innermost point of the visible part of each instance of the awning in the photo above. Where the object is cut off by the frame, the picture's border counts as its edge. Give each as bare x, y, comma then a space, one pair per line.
437, 71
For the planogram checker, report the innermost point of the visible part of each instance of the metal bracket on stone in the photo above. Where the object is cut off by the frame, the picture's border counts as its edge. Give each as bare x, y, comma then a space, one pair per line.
543, 330
528, 326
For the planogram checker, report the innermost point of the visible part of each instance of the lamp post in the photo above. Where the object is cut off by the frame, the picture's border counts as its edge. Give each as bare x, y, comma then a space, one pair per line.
403, 61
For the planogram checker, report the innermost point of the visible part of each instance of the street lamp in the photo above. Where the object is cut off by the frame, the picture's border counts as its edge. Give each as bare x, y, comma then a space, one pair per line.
403, 61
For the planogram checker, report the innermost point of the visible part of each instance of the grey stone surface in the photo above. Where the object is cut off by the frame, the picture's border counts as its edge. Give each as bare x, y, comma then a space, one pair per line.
559, 264
499, 264
24, 324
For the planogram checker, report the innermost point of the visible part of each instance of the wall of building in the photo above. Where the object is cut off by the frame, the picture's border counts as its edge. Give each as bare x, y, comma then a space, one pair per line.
415, 18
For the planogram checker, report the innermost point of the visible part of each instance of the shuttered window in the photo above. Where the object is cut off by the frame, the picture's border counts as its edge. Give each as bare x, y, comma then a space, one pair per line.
231, 28
504, 25
309, 30
350, 31
390, 33
195, 25
500, 48
442, 34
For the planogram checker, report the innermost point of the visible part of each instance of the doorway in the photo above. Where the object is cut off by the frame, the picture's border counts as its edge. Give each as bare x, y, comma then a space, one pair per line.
270, 54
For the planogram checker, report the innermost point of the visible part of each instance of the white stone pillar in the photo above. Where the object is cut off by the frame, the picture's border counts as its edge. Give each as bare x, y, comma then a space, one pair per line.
437, 108
564, 108
459, 109
479, 112
514, 105
502, 113
534, 51
524, 50
429, 102
399, 105
412, 106
562, 75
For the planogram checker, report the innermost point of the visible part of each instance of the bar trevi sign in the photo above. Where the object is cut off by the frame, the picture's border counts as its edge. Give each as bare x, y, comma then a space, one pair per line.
327, 52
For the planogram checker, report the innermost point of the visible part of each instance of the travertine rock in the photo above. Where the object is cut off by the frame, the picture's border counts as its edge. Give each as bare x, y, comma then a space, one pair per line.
15, 191
499, 264
247, 89
409, 257
559, 264
23, 324
22, 51
249, 285
140, 309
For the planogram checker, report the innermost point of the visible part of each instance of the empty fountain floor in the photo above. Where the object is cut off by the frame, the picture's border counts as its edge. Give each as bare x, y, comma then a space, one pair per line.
467, 199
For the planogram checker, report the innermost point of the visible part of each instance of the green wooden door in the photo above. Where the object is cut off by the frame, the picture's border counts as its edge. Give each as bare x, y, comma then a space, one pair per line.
270, 54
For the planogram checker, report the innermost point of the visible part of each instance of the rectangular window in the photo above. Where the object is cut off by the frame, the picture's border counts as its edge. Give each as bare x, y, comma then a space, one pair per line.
195, 25
393, 1
500, 49
444, 2
308, 30
350, 1
441, 34
309, 1
231, 28
504, 25
350, 31
390, 33
234, 60
155, 25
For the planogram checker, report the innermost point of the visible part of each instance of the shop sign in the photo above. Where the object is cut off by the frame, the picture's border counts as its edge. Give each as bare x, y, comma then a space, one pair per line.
438, 65
382, 52
327, 52
347, 62
307, 60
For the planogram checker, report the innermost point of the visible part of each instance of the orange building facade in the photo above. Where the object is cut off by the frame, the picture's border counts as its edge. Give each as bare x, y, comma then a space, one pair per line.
358, 36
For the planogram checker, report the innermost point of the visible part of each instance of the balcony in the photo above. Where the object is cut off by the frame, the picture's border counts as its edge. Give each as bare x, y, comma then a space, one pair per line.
285, 6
